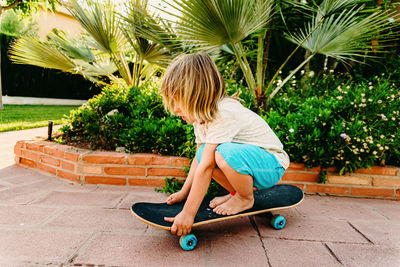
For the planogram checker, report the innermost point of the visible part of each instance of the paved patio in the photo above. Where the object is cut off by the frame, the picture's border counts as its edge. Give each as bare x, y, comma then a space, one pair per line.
45, 221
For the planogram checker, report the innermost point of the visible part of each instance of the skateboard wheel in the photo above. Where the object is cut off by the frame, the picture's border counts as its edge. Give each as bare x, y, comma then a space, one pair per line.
278, 222
188, 242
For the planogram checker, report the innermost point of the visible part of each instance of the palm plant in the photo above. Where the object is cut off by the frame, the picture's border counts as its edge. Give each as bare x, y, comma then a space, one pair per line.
110, 43
338, 29
212, 23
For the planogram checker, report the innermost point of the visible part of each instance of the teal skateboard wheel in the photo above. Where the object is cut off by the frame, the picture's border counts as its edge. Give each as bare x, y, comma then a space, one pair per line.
278, 222
188, 242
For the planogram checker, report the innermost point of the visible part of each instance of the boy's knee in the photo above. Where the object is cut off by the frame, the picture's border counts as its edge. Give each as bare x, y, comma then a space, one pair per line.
219, 160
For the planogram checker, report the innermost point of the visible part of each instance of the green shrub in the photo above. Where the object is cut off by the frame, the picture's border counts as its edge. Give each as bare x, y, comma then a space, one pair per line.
131, 118
338, 122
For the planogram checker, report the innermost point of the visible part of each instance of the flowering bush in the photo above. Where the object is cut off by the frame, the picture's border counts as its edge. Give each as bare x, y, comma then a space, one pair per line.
337, 122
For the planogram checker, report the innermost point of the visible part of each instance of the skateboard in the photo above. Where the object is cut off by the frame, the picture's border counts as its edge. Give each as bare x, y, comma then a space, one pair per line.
278, 197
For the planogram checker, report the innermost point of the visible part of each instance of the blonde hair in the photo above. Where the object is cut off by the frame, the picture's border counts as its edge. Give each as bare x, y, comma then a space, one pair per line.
195, 81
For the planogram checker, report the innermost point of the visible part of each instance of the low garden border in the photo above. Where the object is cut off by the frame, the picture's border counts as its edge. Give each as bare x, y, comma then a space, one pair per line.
142, 169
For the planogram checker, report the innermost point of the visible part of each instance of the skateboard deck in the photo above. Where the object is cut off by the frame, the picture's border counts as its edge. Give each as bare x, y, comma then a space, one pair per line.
275, 198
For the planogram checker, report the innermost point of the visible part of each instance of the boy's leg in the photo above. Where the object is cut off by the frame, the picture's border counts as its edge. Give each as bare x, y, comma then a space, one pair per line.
221, 179
240, 183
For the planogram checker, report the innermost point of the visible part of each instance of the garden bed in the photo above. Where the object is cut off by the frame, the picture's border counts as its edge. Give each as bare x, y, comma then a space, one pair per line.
144, 169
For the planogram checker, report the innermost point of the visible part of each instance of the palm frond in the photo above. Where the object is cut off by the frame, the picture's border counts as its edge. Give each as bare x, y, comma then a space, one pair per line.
213, 23
344, 36
101, 23
73, 48
28, 50
138, 22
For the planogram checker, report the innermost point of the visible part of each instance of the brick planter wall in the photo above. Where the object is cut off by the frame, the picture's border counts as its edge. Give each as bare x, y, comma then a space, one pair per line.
95, 167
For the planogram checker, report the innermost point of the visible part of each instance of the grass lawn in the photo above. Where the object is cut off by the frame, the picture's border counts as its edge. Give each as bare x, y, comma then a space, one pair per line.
19, 117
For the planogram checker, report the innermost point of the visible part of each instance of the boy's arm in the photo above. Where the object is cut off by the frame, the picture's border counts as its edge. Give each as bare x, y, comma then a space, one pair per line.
182, 223
184, 192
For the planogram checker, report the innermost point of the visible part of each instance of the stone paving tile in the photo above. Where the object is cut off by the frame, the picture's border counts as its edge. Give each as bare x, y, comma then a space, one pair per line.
59, 198
96, 218
282, 253
389, 209
23, 194
238, 251
15, 171
40, 246
74, 187
24, 215
134, 197
310, 229
234, 227
365, 255
317, 206
380, 233
121, 249
25, 179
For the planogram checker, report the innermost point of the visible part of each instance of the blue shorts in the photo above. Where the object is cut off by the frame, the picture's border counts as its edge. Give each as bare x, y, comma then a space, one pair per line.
250, 160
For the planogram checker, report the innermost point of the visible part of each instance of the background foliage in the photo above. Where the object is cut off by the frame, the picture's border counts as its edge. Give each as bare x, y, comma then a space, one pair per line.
342, 120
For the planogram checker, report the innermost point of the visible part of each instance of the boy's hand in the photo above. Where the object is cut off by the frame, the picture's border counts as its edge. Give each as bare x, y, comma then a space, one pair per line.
176, 197
182, 223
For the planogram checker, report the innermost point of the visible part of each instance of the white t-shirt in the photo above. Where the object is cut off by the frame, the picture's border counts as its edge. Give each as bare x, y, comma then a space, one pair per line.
235, 123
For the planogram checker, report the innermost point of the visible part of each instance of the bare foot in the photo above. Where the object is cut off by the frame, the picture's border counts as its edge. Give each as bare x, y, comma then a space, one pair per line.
219, 200
235, 205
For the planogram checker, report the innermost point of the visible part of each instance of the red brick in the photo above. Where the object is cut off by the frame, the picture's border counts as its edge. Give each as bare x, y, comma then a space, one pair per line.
301, 186
68, 175
49, 160
180, 162
105, 158
296, 166
55, 151
67, 165
377, 170
372, 192
148, 159
46, 168
93, 169
146, 182
300, 177
28, 162
71, 156
386, 182
105, 180
30, 155
353, 180
318, 169
328, 189
398, 193
132, 171
20, 144
165, 172
35, 146
17, 151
